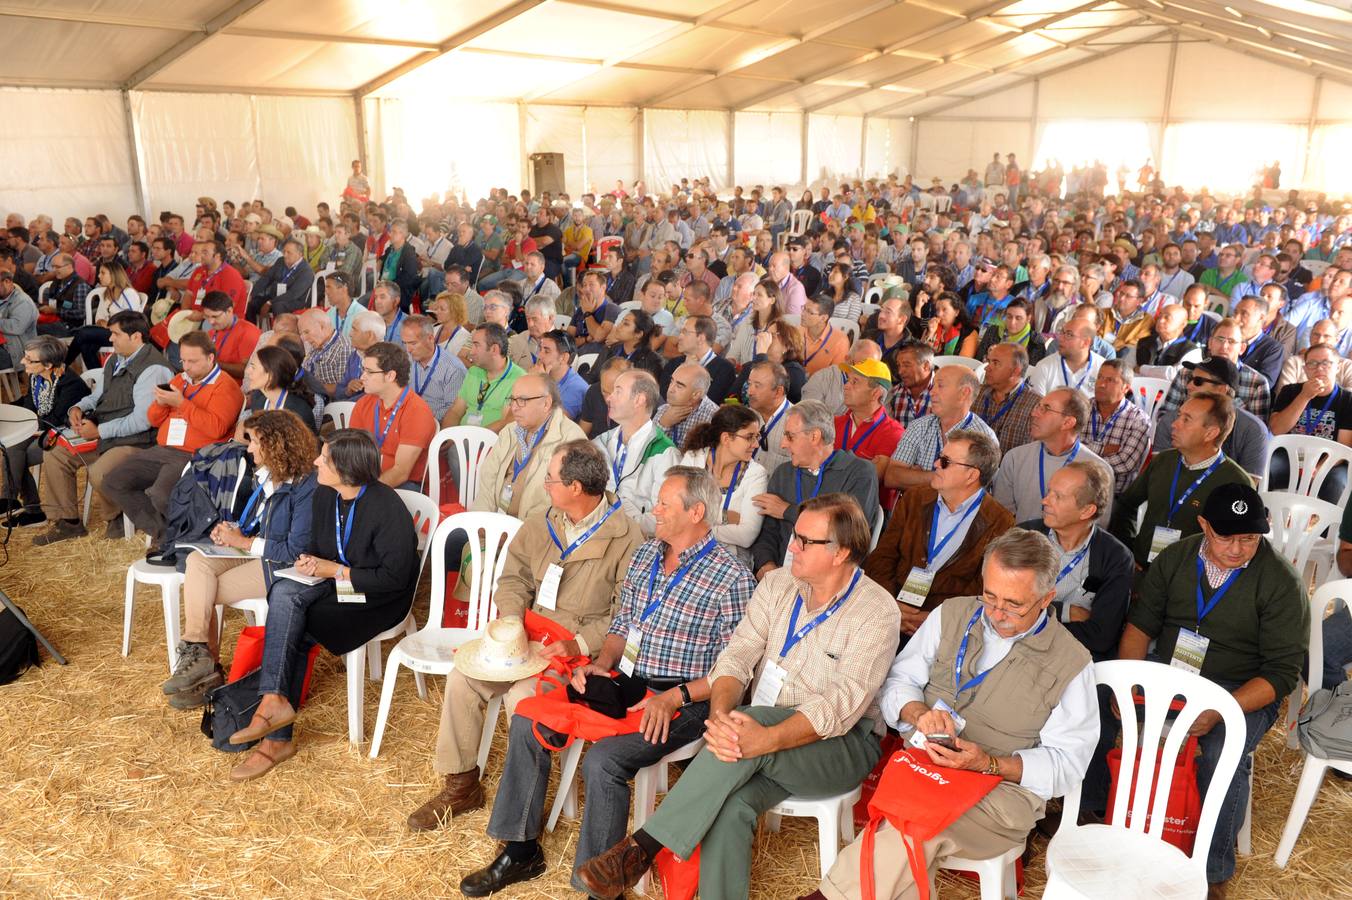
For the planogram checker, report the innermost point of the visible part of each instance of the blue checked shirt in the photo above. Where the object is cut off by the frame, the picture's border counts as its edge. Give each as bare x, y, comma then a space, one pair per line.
684, 635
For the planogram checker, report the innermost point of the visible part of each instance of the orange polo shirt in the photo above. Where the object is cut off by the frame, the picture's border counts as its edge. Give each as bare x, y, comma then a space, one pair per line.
210, 409
413, 425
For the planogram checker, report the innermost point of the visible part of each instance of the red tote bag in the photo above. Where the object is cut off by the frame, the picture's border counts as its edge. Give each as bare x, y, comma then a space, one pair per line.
249, 656
1184, 809
920, 798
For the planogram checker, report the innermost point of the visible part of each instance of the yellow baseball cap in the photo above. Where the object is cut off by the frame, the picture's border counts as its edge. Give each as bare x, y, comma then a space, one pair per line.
873, 369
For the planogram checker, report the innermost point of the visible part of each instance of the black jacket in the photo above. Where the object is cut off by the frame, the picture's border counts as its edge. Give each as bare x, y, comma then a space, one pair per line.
70, 389
408, 276
1109, 579
722, 377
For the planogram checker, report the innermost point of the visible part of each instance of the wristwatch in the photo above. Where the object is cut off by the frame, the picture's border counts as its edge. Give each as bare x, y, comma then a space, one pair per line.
685, 693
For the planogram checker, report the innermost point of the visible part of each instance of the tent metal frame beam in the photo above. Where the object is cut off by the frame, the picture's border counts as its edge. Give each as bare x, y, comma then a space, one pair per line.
1000, 70
454, 42
97, 18
268, 34
229, 16
982, 47
892, 49
1240, 31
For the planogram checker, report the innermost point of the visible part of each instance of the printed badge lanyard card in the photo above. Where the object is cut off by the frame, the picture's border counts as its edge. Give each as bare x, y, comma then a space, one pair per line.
921, 578
1166, 534
633, 639
519, 467
342, 534
1191, 646
773, 676
548, 594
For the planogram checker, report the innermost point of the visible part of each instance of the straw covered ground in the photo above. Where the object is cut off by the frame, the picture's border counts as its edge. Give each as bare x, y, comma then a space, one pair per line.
107, 792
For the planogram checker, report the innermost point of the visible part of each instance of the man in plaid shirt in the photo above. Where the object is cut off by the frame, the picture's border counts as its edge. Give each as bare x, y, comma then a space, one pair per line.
1117, 429
1226, 341
682, 597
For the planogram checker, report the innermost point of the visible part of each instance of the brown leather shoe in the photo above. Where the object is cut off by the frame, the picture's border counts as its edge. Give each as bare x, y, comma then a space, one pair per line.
463, 793
1217, 891
615, 871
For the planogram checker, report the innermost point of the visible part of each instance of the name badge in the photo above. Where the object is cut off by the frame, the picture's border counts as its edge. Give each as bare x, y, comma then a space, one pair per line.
547, 597
201, 292
281, 289
1190, 651
506, 495
178, 433
769, 685
347, 593
632, 641
917, 587
1162, 538
472, 419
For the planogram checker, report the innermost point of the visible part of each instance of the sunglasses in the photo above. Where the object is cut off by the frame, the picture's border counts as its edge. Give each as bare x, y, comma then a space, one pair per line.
944, 462
1203, 382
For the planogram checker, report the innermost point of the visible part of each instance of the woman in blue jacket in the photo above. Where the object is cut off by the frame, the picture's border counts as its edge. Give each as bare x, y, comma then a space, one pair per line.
272, 532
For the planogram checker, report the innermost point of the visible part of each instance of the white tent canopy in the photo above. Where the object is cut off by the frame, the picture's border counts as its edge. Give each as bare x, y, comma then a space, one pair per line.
131, 105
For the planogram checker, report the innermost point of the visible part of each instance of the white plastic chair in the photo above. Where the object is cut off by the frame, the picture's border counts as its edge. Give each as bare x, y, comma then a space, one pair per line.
562, 320
848, 326
1316, 267
170, 583
652, 780
1149, 393
431, 650
319, 278
340, 411
425, 515
873, 296
1310, 460
975, 365
92, 301
470, 444
1194, 355
587, 360
1127, 860
1313, 769
1302, 527
997, 877
877, 530
835, 821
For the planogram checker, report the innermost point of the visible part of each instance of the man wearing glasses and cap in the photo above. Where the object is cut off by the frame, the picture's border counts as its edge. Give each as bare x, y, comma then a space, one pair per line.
1224, 604
1248, 441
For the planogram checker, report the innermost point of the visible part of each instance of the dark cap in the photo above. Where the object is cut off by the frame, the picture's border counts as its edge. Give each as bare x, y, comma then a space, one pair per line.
1219, 368
796, 242
983, 262
1235, 508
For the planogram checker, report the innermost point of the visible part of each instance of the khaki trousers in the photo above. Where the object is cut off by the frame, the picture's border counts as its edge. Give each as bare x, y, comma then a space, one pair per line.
1001, 820
58, 486
462, 717
209, 581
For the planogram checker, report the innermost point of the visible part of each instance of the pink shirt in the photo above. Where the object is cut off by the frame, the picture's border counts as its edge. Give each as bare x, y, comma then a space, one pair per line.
792, 297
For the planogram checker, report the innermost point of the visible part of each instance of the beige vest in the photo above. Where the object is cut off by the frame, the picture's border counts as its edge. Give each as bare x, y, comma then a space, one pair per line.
1008, 709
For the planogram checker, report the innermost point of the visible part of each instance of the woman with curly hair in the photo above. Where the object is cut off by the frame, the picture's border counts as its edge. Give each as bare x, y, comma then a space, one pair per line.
272, 531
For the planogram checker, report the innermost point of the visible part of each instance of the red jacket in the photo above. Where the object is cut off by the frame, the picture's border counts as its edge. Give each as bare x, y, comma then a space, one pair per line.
210, 409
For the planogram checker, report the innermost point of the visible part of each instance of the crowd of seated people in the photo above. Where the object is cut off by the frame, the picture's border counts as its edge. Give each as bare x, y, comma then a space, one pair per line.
755, 460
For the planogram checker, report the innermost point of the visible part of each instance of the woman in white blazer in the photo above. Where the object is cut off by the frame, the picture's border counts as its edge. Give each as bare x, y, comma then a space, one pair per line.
724, 445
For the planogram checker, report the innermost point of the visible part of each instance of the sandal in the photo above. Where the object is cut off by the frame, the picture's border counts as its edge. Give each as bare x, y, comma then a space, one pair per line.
249, 769
255, 731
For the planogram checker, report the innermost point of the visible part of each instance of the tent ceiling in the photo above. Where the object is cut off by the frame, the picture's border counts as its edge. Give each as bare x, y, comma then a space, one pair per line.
875, 57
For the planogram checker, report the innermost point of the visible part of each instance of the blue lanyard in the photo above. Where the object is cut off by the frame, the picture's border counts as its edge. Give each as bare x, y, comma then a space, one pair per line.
290, 271
1308, 425
621, 454
939, 438
281, 400
1065, 372
381, 432
708, 358
770, 426
1195, 329
1041, 460
1008, 404
392, 331
330, 342
342, 534
906, 396
1174, 507
215, 370
247, 526
826, 337
1108, 426
931, 549
519, 467
582, 539
821, 473
426, 382
1204, 607
796, 633
655, 601
878, 418
742, 317
1075, 561
958, 684
224, 337
483, 393
736, 476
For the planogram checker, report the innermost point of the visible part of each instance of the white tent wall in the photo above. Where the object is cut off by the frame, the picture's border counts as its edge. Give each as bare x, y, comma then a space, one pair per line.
66, 153
684, 144
597, 143
834, 147
1263, 112
768, 148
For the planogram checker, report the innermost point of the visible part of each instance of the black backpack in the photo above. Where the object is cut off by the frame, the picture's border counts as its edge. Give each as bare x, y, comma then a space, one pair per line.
18, 647
229, 708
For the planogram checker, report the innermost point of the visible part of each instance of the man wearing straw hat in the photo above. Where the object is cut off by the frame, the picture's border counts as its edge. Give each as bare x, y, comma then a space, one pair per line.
567, 566
816, 643
680, 601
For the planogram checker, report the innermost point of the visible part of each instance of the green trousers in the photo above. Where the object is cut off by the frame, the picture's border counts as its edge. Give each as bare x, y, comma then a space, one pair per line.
715, 805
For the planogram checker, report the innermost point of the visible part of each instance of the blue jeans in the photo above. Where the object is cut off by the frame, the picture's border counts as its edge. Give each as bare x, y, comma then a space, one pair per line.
607, 768
1337, 647
488, 282
570, 266
1220, 860
433, 283
286, 643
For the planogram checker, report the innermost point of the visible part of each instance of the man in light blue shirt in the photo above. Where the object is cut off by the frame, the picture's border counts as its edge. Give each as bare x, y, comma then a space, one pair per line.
436, 374
557, 353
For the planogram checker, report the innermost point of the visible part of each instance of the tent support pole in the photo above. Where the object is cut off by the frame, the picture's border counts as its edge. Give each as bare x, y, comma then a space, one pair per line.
640, 124
1311, 125
732, 148
863, 146
1032, 122
358, 106
915, 148
135, 150
1168, 102
804, 135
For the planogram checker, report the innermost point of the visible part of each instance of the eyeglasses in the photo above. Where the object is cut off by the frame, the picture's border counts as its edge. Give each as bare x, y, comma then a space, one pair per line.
1225, 341
1203, 382
806, 542
1002, 607
522, 401
944, 462
1314, 364
753, 436
1044, 407
366, 371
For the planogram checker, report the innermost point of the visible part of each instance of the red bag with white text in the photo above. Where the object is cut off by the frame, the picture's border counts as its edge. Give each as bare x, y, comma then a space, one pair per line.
919, 798
1184, 809
679, 877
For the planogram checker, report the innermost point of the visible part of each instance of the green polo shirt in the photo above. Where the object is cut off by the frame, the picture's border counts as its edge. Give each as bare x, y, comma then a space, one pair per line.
485, 398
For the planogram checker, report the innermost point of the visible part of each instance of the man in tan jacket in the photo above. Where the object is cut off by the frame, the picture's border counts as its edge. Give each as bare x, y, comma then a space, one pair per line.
512, 474
567, 565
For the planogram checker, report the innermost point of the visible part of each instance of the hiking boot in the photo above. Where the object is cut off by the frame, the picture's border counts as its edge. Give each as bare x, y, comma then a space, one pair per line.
194, 667
61, 530
463, 793
114, 531
26, 518
196, 696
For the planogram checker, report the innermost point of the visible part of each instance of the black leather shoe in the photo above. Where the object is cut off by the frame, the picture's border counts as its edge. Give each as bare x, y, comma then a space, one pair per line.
501, 873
